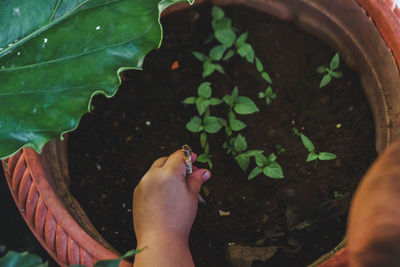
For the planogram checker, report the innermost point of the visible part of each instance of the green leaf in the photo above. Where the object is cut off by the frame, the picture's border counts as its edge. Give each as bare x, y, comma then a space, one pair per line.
240, 143
225, 36
215, 101
269, 92
312, 156
21, 259
247, 52
202, 105
321, 69
243, 160
272, 157
273, 170
259, 65
219, 68
189, 100
203, 158
116, 262
228, 100
261, 95
200, 56
235, 93
208, 68
228, 131
261, 160
266, 77
326, 156
245, 105
223, 122
220, 24
217, 12
231, 115
255, 172
217, 52
229, 54
203, 139
325, 80
210, 165
307, 143
211, 124
241, 40
194, 124
204, 90
252, 153
237, 125
336, 74
57, 55
335, 62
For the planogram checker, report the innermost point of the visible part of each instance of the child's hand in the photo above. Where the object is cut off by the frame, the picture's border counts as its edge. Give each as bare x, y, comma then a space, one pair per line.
165, 203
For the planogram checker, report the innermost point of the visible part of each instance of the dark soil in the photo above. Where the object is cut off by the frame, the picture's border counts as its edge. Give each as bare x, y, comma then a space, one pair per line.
114, 146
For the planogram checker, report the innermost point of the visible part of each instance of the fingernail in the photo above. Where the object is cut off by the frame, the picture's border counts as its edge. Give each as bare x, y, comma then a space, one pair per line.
206, 175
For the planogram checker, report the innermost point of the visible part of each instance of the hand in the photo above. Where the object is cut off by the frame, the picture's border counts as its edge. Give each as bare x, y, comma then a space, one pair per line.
164, 208
374, 220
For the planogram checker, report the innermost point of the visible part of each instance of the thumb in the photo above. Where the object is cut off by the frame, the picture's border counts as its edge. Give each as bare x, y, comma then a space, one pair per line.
197, 178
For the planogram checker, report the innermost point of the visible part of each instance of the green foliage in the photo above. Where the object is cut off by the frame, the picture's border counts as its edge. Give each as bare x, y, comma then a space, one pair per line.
26, 259
205, 157
279, 149
204, 99
208, 65
21, 259
268, 166
330, 71
240, 104
229, 44
268, 95
56, 55
313, 155
210, 124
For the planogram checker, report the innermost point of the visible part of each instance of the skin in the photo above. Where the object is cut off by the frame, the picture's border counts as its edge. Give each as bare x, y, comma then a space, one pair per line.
164, 207
374, 220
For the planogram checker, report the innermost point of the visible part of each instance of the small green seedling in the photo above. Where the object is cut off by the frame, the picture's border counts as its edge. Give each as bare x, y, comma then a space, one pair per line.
268, 166
240, 104
205, 157
233, 124
268, 95
204, 99
208, 65
313, 155
237, 146
330, 71
210, 124
336, 194
279, 149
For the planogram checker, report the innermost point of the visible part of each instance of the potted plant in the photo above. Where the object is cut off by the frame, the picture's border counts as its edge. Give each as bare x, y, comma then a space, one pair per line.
39, 182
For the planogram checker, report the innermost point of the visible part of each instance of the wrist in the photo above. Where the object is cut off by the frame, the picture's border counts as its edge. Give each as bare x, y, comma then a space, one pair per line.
162, 237
167, 249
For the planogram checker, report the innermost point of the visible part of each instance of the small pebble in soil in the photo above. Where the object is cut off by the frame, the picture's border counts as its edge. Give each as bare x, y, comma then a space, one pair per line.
98, 166
123, 205
148, 123
224, 213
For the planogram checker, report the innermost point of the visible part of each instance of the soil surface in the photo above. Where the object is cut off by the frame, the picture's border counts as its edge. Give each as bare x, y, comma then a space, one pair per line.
115, 144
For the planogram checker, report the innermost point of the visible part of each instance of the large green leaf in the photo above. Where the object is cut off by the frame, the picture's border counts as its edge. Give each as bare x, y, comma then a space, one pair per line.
55, 55
21, 259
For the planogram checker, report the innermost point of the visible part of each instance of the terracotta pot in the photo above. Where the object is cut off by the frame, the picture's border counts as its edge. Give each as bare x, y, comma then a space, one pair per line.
40, 183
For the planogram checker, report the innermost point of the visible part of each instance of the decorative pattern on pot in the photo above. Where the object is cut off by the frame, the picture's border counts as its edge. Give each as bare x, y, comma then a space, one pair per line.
39, 218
